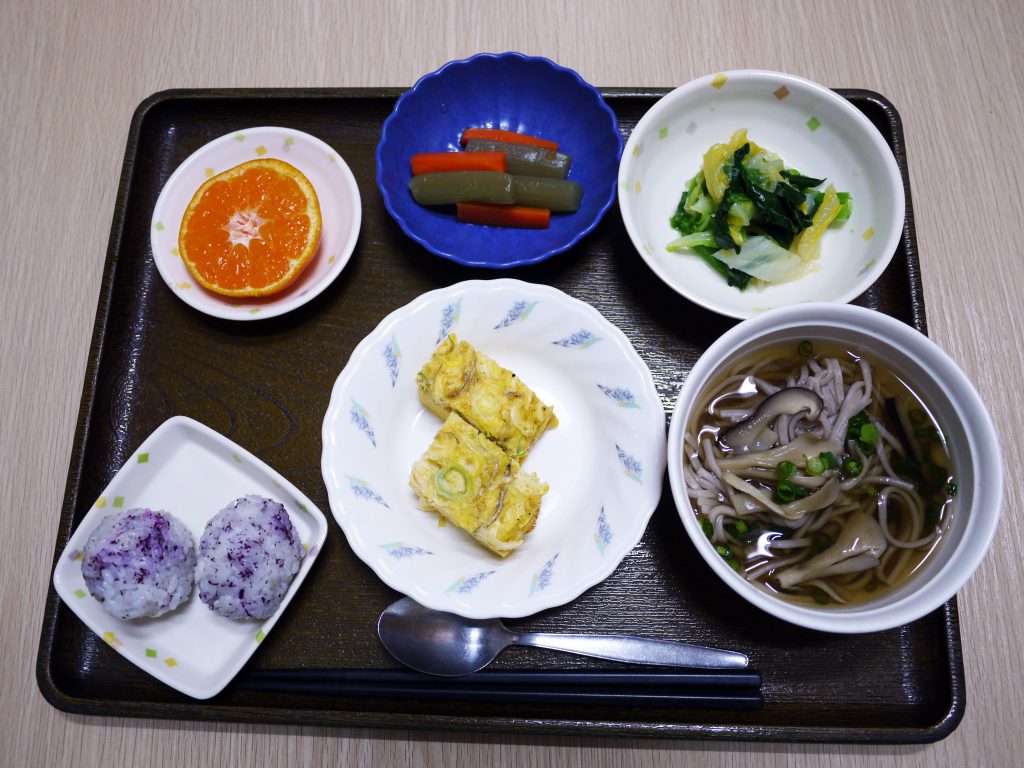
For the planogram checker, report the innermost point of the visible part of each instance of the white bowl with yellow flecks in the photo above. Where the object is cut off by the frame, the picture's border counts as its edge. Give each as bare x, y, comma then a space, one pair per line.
814, 130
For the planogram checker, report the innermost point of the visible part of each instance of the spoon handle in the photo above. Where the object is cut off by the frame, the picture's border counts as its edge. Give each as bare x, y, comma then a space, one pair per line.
636, 650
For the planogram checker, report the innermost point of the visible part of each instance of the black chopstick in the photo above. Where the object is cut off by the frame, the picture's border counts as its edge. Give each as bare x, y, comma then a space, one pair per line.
719, 690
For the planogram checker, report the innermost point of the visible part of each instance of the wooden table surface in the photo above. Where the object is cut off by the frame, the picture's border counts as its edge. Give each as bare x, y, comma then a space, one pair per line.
72, 76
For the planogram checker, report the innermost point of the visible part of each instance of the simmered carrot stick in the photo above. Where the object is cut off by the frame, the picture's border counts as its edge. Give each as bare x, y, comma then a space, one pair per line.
496, 134
504, 215
445, 162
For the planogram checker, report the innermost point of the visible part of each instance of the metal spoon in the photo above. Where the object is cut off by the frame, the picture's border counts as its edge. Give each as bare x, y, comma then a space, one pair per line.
440, 643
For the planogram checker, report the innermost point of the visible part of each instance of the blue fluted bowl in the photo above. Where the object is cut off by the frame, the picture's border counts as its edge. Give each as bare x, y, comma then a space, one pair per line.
513, 92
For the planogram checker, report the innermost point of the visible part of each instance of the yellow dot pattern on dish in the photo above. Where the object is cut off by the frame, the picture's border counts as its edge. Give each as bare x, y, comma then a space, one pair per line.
636, 150
868, 233
637, 187
170, 662
183, 286
79, 593
254, 311
781, 92
236, 457
718, 81
260, 635
663, 132
118, 501
101, 502
151, 653
159, 226
239, 137
261, 150
289, 141
175, 252
814, 123
111, 639
208, 172
143, 458
331, 259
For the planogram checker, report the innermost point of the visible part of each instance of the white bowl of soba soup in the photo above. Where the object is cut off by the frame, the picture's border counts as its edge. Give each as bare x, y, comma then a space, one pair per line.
835, 467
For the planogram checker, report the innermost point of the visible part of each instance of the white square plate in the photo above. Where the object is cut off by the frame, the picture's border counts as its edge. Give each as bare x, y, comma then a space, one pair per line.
189, 470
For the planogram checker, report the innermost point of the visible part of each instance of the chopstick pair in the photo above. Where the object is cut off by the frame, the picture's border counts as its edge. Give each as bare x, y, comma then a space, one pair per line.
717, 690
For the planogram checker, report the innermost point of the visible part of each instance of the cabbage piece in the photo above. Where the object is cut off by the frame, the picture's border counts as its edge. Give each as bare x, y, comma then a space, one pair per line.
763, 258
768, 165
705, 239
715, 159
807, 244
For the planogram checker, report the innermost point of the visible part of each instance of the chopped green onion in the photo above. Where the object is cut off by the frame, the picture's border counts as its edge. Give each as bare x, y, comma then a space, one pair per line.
852, 467
829, 458
723, 551
733, 563
871, 490
785, 469
821, 597
708, 528
951, 488
805, 348
741, 526
785, 491
868, 437
452, 481
815, 466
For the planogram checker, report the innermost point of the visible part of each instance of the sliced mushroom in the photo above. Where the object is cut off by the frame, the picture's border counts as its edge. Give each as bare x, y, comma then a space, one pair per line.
795, 451
754, 433
794, 510
858, 548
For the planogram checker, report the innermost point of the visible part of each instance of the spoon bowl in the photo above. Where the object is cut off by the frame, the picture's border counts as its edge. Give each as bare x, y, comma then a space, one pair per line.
440, 643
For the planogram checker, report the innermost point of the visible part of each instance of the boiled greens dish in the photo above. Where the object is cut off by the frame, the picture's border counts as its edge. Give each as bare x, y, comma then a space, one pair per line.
752, 219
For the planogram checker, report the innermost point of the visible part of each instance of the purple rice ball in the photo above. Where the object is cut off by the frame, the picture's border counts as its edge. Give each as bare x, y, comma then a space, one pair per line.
139, 563
248, 556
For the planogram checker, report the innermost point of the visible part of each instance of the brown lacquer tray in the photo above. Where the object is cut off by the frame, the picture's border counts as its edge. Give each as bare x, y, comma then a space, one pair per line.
266, 385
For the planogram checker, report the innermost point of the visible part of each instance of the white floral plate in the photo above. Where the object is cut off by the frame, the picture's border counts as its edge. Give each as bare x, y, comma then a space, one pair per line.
604, 461
340, 210
189, 470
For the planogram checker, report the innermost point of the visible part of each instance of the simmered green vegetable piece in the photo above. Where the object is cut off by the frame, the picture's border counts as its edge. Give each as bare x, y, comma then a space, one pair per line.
526, 160
553, 194
463, 186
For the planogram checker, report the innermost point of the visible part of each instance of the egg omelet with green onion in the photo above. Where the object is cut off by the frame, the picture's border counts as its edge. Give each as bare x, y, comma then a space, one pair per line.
477, 486
458, 378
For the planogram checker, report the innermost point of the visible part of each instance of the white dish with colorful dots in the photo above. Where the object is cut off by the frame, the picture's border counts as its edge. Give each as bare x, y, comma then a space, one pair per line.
340, 210
604, 462
193, 472
814, 130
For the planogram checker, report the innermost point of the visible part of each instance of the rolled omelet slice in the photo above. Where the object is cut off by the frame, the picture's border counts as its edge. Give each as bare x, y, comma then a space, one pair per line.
458, 378
478, 487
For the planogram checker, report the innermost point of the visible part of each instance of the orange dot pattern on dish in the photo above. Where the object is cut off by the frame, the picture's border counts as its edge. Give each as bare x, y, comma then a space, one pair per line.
250, 230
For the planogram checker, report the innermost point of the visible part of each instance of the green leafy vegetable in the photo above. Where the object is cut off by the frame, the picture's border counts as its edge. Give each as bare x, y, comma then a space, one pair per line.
748, 216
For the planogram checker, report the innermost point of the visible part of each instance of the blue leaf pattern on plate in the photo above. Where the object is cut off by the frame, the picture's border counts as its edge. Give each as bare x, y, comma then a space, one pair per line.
362, 420
580, 340
362, 490
622, 396
392, 356
449, 317
603, 534
542, 578
402, 551
467, 584
631, 465
519, 312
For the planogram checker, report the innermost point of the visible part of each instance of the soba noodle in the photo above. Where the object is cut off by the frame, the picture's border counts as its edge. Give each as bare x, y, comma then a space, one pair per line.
817, 474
